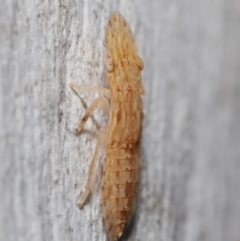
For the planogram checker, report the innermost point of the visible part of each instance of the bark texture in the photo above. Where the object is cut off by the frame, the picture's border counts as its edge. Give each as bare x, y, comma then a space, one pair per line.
190, 187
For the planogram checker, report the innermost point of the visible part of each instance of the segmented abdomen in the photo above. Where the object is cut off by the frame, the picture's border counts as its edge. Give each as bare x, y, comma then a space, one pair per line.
119, 191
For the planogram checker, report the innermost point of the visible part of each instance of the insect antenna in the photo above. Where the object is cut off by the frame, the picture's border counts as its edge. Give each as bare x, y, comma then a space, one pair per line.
101, 40
96, 16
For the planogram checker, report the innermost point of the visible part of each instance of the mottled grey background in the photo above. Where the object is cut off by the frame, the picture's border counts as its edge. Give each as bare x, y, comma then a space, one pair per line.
190, 188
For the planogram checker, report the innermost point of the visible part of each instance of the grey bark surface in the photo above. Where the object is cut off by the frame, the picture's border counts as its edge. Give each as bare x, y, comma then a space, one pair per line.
190, 188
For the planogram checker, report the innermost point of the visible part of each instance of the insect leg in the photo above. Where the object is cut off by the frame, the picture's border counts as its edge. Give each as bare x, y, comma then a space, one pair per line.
92, 168
104, 91
99, 102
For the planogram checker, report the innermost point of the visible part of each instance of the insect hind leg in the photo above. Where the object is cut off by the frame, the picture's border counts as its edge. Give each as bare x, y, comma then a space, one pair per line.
103, 103
92, 168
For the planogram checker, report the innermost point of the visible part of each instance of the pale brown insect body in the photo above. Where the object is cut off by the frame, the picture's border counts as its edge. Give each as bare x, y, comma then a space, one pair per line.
121, 170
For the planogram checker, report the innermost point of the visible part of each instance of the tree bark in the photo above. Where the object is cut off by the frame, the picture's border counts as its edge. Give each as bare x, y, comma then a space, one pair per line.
190, 188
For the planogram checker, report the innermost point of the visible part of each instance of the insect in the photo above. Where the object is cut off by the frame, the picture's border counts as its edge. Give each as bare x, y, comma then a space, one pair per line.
123, 102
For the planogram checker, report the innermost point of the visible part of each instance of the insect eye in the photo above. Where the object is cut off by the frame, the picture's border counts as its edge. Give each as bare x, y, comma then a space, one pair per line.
109, 63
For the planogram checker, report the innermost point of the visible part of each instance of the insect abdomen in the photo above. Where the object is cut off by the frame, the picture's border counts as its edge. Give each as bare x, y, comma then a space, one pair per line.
119, 192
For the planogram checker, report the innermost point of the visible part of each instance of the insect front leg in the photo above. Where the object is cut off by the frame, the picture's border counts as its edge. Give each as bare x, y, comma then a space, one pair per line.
104, 91
92, 168
101, 102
